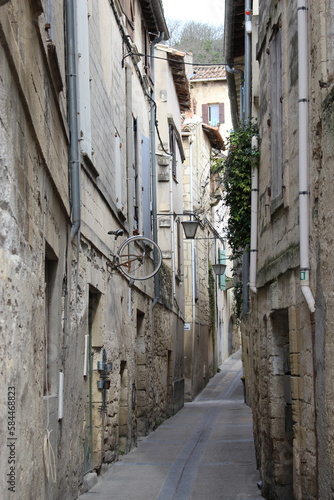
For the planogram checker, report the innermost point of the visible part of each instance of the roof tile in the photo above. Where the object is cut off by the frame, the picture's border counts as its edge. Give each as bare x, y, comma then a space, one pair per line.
209, 72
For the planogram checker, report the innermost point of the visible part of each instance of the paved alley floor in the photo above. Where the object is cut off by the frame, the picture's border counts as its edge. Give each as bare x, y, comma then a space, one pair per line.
204, 452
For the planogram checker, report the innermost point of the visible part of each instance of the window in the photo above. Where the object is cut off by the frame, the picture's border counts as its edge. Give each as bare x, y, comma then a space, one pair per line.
84, 78
213, 114
146, 185
179, 248
175, 147
172, 148
120, 180
137, 186
276, 114
146, 50
52, 324
129, 11
222, 260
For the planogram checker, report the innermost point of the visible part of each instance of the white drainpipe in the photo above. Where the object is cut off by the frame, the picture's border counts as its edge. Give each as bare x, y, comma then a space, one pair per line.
304, 225
254, 216
129, 148
172, 224
193, 254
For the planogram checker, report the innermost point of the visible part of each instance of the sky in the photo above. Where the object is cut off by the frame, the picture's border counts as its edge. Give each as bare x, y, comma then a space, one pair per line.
208, 12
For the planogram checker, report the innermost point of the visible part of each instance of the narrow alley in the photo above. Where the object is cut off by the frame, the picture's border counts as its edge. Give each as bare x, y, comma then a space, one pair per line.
205, 451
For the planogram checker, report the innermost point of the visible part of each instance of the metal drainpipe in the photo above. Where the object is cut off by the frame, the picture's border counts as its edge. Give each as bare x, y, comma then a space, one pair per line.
246, 119
72, 99
193, 253
248, 62
172, 224
154, 168
229, 69
129, 148
303, 161
254, 217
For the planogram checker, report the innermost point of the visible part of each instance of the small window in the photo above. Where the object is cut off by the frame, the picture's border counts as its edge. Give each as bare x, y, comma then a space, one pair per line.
179, 248
129, 11
52, 323
173, 149
222, 260
213, 114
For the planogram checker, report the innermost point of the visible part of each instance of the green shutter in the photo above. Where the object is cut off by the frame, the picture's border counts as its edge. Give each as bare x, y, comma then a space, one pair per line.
222, 260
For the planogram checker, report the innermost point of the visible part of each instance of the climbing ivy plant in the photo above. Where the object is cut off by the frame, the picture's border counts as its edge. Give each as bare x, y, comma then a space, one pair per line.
235, 170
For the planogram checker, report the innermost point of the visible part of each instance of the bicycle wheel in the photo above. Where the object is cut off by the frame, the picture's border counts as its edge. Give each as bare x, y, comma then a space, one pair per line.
139, 258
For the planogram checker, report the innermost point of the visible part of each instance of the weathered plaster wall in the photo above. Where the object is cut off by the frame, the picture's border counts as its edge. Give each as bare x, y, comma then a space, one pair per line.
212, 92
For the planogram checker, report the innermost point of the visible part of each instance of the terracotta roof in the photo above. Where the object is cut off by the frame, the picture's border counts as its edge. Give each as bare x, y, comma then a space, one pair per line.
214, 136
217, 72
176, 61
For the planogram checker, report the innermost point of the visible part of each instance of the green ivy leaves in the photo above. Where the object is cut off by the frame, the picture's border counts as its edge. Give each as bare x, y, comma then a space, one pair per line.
237, 186
236, 174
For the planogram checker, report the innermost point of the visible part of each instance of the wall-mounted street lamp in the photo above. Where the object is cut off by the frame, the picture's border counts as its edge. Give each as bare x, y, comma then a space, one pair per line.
190, 228
219, 269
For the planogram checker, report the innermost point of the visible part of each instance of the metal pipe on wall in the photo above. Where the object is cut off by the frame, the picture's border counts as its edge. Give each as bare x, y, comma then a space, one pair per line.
72, 102
303, 160
154, 168
248, 62
129, 148
254, 217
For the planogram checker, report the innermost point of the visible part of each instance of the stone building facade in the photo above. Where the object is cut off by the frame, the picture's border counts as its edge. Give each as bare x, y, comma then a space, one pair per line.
205, 330
287, 341
85, 357
210, 99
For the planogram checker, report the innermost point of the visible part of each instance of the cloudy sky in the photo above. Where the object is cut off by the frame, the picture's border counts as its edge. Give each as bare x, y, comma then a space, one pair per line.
208, 12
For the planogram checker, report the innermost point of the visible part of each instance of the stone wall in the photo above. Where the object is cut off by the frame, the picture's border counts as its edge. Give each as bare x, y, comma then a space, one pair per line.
64, 308
321, 156
278, 333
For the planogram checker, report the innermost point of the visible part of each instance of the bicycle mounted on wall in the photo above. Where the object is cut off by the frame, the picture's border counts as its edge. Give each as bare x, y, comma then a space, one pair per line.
133, 257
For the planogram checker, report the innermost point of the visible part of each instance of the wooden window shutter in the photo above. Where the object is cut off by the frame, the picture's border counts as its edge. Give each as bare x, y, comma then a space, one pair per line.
222, 260
205, 113
128, 9
221, 113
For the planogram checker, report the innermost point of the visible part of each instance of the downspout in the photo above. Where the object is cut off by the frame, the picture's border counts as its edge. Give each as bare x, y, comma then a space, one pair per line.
129, 147
254, 216
172, 224
154, 168
304, 225
248, 61
72, 99
193, 267
193, 255
233, 70
246, 120
303, 167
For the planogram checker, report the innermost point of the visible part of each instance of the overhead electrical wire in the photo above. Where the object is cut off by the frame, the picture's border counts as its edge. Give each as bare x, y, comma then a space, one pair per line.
179, 62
